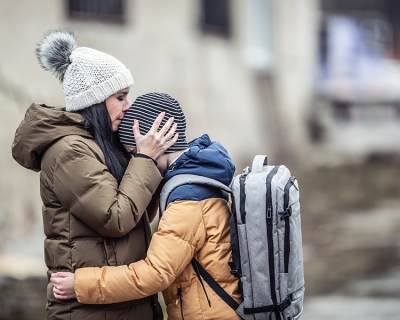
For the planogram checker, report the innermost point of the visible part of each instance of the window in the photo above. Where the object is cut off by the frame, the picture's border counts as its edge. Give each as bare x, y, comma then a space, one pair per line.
215, 17
258, 50
100, 10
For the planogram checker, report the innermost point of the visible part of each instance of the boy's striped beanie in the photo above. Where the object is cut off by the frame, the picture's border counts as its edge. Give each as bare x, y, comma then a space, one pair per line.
145, 109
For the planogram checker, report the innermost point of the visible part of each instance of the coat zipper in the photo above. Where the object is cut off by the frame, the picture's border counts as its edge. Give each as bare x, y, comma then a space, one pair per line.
269, 237
179, 299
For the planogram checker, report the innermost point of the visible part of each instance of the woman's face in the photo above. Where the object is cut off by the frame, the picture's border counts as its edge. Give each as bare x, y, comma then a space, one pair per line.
117, 105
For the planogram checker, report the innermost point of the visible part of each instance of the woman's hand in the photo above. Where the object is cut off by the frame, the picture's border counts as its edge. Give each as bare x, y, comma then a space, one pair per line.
154, 143
63, 285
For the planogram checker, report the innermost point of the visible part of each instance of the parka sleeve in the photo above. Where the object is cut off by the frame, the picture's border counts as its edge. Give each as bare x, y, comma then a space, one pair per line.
181, 233
86, 188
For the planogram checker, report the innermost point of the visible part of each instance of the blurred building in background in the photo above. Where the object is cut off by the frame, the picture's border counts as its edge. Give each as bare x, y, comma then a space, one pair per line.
356, 112
308, 82
242, 71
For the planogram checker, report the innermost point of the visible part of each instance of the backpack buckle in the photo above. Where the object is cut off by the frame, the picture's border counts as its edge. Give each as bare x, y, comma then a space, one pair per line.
234, 270
285, 214
285, 303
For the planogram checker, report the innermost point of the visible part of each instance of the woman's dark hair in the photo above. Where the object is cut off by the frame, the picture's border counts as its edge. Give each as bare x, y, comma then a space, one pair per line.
98, 121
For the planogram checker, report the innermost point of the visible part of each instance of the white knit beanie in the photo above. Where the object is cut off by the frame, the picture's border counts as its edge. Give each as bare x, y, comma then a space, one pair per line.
88, 76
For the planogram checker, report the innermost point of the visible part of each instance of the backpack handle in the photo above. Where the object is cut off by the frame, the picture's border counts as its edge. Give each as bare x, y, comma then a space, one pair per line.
259, 162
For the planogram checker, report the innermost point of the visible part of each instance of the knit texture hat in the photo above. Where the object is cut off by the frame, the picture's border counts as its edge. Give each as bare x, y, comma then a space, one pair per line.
88, 76
145, 109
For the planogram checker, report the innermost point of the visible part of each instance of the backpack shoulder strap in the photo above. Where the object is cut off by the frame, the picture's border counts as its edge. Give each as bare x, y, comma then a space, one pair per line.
181, 179
202, 273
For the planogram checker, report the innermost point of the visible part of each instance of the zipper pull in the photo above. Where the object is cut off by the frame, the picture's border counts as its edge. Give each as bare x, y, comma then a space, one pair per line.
179, 296
269, 214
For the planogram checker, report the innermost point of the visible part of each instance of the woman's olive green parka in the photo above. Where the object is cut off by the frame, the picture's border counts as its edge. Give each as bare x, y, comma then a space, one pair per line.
89, 219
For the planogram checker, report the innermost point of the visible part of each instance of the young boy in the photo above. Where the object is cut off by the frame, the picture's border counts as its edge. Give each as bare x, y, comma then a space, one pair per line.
194, 225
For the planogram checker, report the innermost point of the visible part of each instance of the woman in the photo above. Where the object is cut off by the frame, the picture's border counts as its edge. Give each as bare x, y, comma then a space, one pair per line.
94, 193
194, 225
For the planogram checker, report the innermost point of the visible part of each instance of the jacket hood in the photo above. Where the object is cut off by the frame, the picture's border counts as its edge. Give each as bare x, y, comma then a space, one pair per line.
41, 127
206, 158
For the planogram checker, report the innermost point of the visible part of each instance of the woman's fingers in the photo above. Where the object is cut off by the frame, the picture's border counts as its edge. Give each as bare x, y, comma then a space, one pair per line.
157, 122
172, 141
154, 143
135, 129
171, 132
167, 130
166, 126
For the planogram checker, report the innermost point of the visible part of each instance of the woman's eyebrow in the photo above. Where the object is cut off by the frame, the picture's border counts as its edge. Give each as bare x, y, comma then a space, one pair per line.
123, 92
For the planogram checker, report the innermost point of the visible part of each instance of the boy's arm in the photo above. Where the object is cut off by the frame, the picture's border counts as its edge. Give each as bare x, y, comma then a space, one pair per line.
181, 233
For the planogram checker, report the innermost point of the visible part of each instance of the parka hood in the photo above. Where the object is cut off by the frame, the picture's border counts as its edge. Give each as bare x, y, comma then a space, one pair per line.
41, 127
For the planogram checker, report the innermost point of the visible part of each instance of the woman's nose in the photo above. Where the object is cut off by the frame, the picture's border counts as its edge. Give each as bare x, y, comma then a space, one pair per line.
126, 107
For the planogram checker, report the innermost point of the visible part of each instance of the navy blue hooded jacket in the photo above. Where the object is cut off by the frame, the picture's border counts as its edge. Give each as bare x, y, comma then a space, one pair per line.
204, 158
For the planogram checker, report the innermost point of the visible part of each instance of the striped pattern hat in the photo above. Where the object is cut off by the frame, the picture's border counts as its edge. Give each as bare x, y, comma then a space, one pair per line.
145, 109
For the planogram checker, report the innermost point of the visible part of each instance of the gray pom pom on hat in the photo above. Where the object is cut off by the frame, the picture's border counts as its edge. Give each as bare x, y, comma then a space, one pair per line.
88, 76
54, 50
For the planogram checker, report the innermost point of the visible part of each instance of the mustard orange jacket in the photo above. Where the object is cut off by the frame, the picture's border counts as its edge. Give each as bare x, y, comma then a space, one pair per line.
197, 227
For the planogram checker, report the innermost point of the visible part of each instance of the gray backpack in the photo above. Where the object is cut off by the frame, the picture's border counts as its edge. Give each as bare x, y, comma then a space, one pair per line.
265, 229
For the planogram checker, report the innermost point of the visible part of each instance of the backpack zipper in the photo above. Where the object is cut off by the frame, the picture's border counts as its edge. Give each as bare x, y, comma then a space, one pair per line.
242, 196
270, 239
285, 215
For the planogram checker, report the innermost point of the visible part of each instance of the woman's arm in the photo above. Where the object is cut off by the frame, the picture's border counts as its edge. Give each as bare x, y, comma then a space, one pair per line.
180, 235
86, 188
